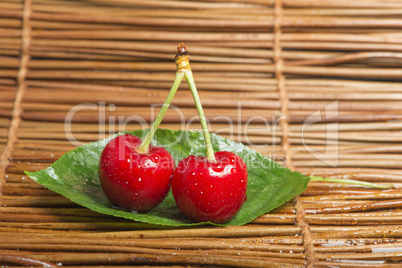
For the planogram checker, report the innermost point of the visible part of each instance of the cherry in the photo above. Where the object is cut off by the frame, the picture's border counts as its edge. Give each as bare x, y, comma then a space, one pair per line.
134, 174
132, 180
210, 191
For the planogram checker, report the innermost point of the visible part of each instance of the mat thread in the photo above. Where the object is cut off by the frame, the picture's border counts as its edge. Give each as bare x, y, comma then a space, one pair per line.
283, 122
17, 109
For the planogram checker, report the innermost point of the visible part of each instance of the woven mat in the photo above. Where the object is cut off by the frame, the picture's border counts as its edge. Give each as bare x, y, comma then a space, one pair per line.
314, 85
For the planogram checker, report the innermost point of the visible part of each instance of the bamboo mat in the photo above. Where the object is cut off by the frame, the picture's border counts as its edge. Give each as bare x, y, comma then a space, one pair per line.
315, 85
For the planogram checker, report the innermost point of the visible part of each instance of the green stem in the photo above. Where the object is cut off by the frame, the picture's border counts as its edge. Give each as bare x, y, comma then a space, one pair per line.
209, 150
355, 182
143, 148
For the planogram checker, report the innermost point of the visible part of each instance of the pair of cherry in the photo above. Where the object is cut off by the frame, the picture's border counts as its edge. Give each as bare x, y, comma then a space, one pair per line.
203, 190
137, 176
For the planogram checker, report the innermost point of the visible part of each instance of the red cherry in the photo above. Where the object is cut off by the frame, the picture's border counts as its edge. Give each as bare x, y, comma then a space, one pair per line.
210, 191
131, 180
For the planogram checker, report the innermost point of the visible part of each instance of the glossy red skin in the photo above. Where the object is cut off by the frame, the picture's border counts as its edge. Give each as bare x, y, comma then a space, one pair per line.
206, 191
137, 182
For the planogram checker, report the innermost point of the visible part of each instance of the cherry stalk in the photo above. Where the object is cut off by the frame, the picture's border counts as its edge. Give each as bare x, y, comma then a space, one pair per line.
188, 75
181, 69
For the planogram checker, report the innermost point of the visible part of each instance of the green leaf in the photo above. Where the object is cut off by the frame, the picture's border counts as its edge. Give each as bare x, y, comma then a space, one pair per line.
75, 176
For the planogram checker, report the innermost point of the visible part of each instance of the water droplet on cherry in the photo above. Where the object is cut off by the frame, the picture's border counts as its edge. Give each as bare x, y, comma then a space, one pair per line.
155, 158
218, 168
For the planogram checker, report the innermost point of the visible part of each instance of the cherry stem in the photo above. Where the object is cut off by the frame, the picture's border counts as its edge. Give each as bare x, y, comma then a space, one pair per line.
183, 63
188, 75
143, 148
355, 182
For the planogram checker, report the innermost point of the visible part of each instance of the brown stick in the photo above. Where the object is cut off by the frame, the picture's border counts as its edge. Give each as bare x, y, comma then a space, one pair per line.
20, 260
